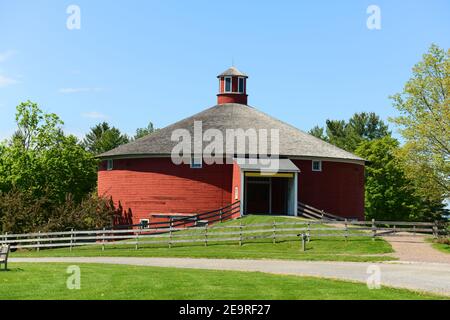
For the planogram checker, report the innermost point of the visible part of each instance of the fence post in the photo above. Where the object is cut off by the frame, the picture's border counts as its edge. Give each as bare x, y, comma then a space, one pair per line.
71, 239
308, 232
38, 242
322, 212
274, 233
103, 240
220, 213
346, 230
240, 234
170, 236
303, 241
436, 229
206, 234
395, 229
6, 237
374, 230
137, 240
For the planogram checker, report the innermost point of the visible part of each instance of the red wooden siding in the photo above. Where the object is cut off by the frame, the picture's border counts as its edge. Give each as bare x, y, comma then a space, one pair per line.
236, 183
156, 185
338, 188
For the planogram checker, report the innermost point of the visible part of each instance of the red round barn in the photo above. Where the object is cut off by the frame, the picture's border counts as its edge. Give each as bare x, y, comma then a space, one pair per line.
144, 177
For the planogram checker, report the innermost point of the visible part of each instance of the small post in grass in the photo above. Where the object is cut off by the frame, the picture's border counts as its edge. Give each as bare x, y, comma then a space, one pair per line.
274, 232
303, 238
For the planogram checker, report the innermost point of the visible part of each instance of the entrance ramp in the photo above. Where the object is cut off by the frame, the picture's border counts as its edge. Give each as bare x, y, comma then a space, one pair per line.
310, 212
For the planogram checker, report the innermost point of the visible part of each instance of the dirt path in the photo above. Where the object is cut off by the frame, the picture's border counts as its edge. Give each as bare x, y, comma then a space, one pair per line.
408, 247
425, 277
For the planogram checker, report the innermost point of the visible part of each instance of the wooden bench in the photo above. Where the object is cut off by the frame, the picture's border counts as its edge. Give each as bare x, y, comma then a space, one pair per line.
4, 252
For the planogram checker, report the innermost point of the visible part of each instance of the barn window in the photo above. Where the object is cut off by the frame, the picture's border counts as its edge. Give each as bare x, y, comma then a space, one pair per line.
144, 223
109, 165
241, 85
196, 163
228, 84
316, 165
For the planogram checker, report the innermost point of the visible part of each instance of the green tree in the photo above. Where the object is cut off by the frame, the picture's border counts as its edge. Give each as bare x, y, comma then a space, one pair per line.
48, 179
348, 135
389, 193
142, 132
40, 159
424, 123
103, 138
318, 132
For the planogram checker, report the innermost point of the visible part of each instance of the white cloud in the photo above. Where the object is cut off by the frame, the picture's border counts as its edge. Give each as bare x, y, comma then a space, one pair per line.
94, 115
79, 90
6, 55
7, 81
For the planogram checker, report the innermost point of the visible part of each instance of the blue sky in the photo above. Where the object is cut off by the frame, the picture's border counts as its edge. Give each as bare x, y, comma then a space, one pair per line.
138, 61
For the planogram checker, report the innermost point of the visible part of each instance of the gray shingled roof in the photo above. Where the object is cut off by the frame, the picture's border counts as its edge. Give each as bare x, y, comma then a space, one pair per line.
293, 142
233, 71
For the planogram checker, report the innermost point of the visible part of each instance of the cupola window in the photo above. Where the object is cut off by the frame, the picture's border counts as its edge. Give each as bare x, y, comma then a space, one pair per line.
241, 82
228, 84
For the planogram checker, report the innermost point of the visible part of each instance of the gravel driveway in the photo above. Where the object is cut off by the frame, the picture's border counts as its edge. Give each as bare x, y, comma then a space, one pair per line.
425, 277
408, 247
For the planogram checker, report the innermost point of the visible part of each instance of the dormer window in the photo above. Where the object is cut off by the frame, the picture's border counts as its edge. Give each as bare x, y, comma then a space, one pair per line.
228, 84
241, 84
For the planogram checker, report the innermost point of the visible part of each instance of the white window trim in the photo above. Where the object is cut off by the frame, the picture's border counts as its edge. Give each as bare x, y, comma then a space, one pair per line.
225, 84
148, 223
109, 165
320, 165
195, 165
241, 90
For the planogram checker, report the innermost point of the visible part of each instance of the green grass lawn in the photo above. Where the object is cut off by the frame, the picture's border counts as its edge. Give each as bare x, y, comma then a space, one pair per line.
442, 247
48, 281
326, 249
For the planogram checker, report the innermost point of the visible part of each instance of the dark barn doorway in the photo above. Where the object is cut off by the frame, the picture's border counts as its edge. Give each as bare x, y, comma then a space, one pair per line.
267, 195
258, 195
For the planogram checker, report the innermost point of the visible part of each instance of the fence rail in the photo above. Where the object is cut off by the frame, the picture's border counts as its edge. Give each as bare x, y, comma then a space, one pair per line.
309, 212
182, 234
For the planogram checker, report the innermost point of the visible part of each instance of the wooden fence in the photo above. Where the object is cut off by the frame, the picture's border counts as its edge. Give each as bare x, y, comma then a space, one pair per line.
309, 212
206, 234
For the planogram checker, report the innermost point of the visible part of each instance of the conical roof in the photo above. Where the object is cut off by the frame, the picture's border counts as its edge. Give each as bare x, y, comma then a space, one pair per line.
293, 142
234, 72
